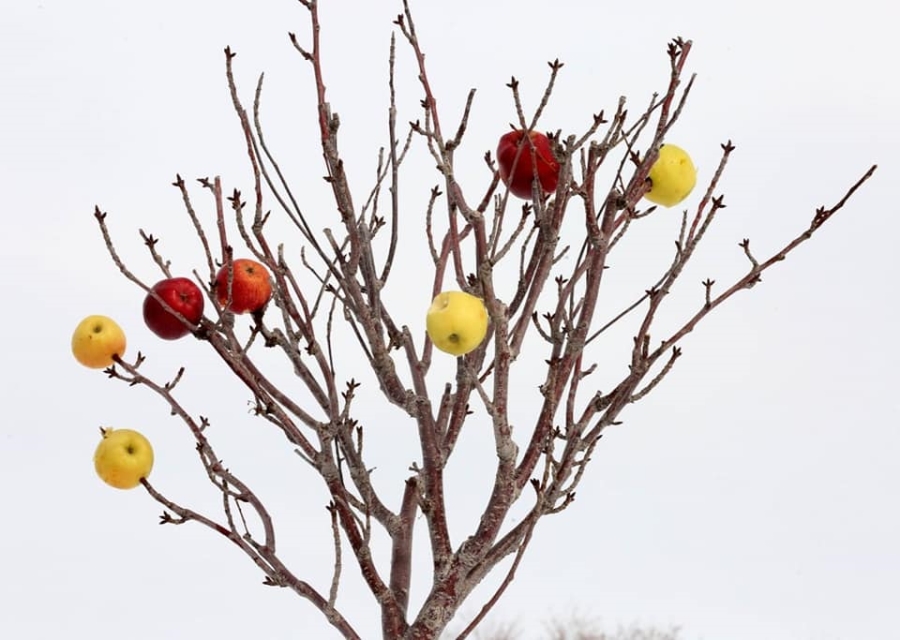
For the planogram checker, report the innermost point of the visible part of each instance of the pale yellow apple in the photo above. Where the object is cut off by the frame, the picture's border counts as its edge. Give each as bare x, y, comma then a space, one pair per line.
96, 340
123, 457
456, 322
672, 176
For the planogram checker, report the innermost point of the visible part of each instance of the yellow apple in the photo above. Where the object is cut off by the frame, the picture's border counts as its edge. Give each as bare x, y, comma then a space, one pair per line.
123, 457
96, 340
456, 322
672, 176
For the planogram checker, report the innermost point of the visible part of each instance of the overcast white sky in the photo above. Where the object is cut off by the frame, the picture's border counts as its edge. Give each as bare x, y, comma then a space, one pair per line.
753, 496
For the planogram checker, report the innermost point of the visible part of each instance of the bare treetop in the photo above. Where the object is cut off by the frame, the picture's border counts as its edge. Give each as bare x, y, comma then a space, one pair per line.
547, 318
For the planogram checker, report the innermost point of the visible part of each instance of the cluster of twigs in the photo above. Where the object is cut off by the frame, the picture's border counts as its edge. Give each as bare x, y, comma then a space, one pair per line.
571, 414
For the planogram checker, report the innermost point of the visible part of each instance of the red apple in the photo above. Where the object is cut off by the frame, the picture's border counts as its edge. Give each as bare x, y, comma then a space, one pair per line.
520, 177
250, 286
184, 297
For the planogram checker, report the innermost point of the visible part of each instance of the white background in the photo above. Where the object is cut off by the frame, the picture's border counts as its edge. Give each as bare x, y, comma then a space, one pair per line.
752, 496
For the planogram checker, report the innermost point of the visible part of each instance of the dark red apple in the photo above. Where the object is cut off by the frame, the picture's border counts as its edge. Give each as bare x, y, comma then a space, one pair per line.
184, 297
518, 173
250, 286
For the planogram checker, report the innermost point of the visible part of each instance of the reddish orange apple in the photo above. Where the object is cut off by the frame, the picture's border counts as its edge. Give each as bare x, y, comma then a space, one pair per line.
517, 168
184, 297
251, 287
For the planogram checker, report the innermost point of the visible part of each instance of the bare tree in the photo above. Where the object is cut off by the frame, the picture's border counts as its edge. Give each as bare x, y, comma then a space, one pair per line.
584, 629
577, 627
545, 315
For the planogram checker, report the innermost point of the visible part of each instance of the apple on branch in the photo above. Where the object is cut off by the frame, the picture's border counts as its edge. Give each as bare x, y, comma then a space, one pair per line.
456, 322
182, 296
96, 340
250, 289
123, 457
672, 177
517, 165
